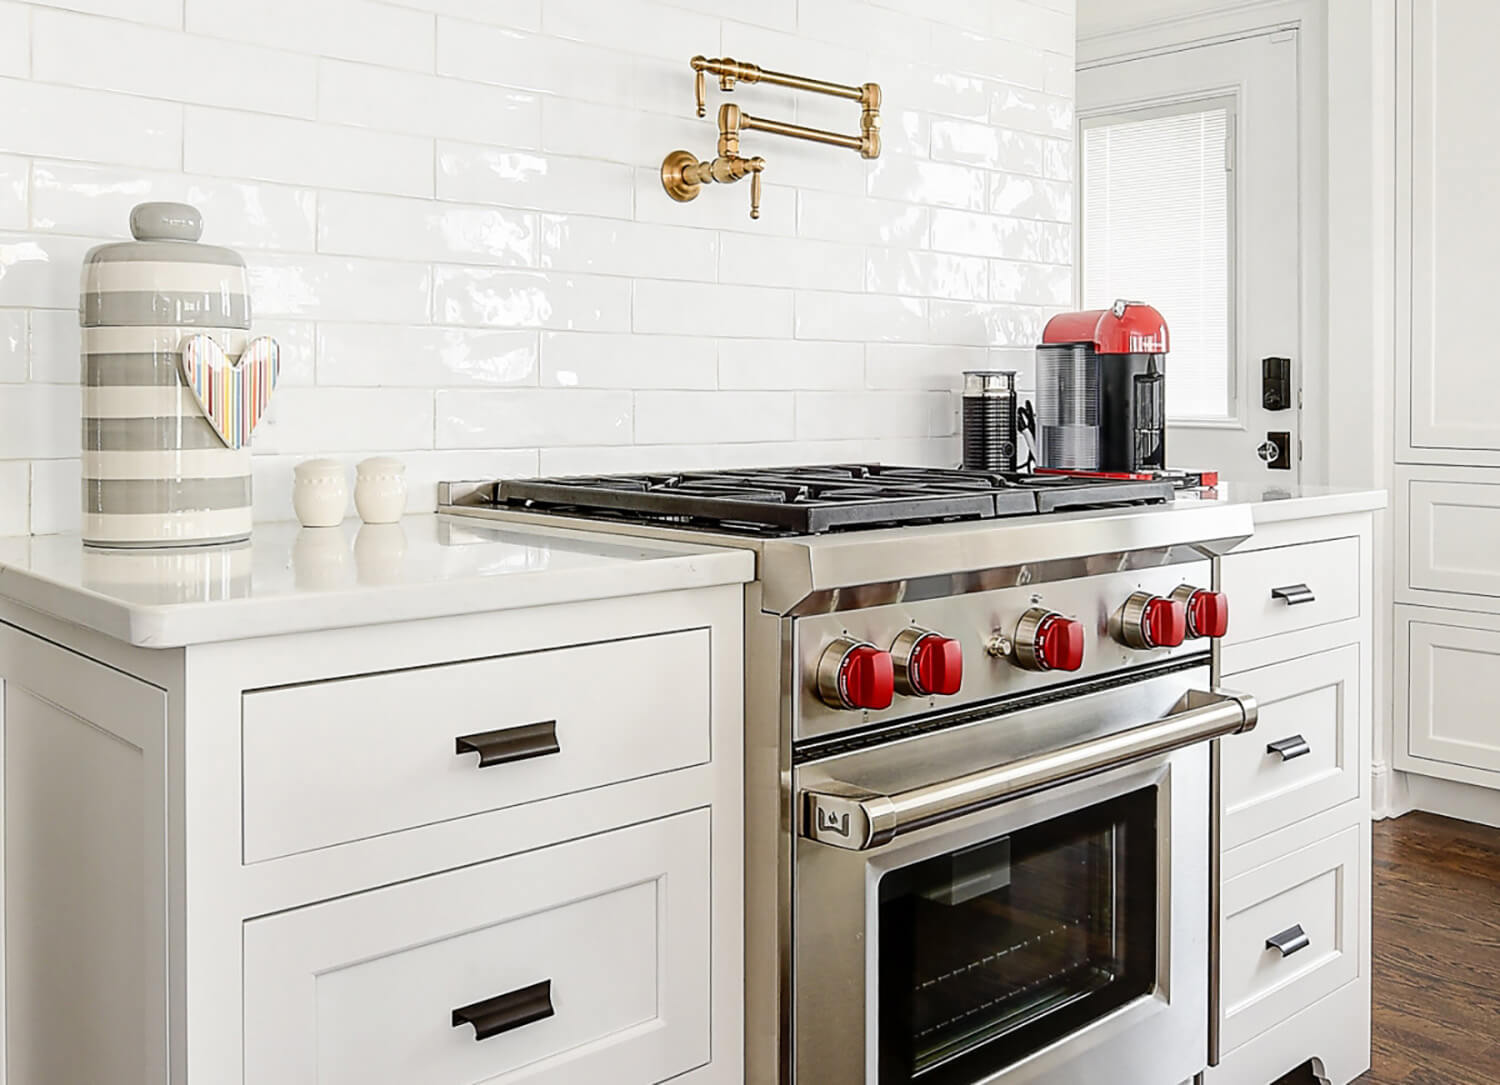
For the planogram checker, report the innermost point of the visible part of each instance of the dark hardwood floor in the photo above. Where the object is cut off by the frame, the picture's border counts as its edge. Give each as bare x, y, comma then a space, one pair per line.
1437, 954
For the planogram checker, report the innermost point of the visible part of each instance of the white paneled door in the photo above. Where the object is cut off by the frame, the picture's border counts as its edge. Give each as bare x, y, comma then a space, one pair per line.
1189, 182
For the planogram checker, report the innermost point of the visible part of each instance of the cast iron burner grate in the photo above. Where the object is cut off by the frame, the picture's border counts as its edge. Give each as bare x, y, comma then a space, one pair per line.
812, 500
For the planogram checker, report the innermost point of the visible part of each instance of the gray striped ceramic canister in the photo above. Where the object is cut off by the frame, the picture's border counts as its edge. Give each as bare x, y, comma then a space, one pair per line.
154, 471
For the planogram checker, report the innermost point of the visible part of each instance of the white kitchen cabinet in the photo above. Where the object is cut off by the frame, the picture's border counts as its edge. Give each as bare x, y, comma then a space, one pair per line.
271, 861
1446, 704
1293, 849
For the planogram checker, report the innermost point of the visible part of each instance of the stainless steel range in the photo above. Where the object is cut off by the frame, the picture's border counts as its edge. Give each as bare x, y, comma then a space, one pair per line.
978, 763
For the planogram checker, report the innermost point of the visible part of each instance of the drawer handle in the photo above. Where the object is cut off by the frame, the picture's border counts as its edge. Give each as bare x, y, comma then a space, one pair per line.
506, 1012
1289, 941
1290, 748
1293, 594
510, 743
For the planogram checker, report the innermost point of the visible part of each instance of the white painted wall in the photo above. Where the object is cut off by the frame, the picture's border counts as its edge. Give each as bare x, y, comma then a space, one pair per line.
454, 223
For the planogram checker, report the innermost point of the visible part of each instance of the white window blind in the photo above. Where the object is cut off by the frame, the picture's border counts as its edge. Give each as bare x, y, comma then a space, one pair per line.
1155, 228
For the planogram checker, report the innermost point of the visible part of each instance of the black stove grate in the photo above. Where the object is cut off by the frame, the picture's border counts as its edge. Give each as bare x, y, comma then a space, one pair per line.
812, 500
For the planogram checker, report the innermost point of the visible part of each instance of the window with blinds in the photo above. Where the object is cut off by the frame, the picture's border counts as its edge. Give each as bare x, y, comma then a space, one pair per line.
1156, 226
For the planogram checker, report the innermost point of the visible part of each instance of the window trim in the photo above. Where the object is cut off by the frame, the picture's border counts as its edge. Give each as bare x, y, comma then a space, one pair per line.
1227, 99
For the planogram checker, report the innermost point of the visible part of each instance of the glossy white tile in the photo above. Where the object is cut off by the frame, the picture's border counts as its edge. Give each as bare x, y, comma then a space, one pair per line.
926, 274
709, 309
92, 125
474, 297
775, 14
1031, 284
1057, 159
313, 420
298, 340
95, 201
703, 417
940, 184
860, 317
1030, 111
621, 247
995, 58
1044, 25
989, 147
533, 418
15, 47
520, 14
367, 30
427, 105
868, 27
251, 145
719, 207
595, 360
984, 324
56, 486
767, 365
925, 366
15, 175
634, 26
937, 90
15, 346
421, 356
15, 496
986, 235
862, 220
39, 271
39, 420
390, 227
794, 262
158, 12
339, 288
621, 134
108, 54
56, 346
487, 175
1031, 198
873, 415
964, 14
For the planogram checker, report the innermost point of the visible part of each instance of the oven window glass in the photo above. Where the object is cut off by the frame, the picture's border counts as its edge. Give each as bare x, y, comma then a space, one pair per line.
993, 952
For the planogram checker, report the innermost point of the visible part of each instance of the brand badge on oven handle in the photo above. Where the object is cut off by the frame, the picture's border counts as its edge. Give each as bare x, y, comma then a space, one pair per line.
847, 816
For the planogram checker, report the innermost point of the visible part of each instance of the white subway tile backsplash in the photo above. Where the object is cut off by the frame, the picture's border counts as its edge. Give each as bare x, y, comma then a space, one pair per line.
705, 417
95, 201
708, 309
391, 227
265, 148
475, 297
618, 247
108, 54
15, 346
39, 420
14, 186
337, 288
769, 365
427, 105
592, 360
345, 29
422, 356
314, 420
860, 317
533, 418
472, 174
454, 222
65, 122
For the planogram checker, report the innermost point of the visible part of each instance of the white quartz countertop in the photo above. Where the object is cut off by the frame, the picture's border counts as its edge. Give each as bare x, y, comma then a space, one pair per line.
290, 579
1270, 503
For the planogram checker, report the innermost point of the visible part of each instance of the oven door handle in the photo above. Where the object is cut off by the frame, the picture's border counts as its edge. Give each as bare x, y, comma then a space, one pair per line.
852, 818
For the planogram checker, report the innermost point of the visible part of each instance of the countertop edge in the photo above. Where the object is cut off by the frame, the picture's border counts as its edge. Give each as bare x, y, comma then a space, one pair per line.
1313, 506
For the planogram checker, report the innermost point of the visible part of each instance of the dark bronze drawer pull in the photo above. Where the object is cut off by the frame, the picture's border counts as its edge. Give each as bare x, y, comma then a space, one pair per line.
510, 743
506, 1012
1293, 594
1289, 941
1290, 748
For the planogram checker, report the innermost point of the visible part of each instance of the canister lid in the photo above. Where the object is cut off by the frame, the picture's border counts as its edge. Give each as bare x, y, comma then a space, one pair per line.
989, 382
165, 276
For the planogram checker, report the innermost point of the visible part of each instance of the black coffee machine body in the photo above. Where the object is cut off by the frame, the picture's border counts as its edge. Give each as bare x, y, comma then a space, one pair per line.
1101, 391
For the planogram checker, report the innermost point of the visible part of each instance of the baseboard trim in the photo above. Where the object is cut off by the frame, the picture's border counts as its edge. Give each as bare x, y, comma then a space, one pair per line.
1390, 796
1451, 799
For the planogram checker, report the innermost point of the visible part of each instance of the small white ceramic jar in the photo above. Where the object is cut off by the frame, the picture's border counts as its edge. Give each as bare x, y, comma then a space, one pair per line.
380, 490
320, 493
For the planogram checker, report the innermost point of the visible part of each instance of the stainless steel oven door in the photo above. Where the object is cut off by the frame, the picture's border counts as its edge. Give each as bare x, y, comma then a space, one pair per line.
1022, 898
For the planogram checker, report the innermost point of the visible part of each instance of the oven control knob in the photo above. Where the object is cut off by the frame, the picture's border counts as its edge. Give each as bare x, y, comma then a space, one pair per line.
854, 674
1046, 641
927, 663
1149, 621
1207, 611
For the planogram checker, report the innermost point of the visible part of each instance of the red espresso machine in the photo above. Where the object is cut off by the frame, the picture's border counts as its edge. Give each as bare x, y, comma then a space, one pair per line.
1101, 392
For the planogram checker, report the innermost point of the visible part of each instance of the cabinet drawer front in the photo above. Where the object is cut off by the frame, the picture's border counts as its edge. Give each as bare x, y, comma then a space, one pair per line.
1262, 587
1314, 699
1315, 889
362, 990
337, 761
1453, 701
1452, 542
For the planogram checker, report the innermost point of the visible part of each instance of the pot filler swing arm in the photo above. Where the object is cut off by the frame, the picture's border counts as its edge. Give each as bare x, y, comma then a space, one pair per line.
683, 175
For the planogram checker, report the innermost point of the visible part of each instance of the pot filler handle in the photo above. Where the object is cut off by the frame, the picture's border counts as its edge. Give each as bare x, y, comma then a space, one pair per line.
848, 817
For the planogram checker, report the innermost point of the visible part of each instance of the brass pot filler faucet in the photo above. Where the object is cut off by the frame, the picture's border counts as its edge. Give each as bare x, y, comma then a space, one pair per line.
682, 174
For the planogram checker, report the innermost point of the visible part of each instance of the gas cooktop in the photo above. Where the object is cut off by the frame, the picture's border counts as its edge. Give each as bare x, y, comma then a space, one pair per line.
814, 499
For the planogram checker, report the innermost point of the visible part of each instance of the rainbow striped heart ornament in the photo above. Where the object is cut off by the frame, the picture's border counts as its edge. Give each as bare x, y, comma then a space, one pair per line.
233, 394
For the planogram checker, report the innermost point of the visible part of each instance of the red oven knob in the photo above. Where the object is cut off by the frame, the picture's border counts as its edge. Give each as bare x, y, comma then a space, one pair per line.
927, 663
854, 674
1046, 641
1207, 611
1149, 621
